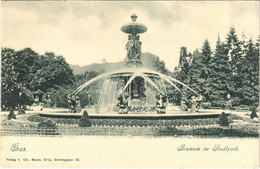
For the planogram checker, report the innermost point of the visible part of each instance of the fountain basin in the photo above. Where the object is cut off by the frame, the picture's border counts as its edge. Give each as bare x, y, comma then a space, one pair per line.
171, 115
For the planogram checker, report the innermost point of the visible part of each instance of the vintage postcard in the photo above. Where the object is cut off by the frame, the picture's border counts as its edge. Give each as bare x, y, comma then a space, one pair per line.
129, 84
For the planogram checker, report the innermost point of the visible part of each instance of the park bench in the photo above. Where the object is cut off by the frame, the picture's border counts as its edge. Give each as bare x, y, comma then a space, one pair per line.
242, 108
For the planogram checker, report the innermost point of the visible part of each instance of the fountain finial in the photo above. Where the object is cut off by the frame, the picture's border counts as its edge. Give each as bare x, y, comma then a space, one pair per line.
134, 16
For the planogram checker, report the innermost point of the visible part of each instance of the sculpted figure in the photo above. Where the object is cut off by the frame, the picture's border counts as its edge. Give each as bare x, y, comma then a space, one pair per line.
129, 47
161, 104
133, 47
138, 45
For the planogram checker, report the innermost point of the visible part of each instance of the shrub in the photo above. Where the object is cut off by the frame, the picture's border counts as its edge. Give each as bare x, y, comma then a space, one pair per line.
21, 111
168, 130
253, 114
47, 127
85, 121
11, 115
223, 120
36, 118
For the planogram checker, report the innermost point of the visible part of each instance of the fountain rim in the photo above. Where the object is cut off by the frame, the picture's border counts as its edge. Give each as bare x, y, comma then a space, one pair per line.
172, 116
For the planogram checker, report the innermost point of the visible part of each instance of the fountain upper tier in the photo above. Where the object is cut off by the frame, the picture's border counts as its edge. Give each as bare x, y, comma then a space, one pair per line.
134, 27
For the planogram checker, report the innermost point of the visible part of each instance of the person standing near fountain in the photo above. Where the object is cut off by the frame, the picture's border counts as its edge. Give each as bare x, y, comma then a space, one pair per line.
193, 104
78, 106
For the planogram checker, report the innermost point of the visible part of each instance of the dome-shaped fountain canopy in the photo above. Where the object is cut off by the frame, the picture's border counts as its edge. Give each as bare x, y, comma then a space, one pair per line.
134, 27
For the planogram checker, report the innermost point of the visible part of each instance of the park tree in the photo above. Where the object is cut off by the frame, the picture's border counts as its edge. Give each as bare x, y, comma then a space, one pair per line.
196, 64
55, 77
249, 74
9, 84
199, 70
189, 73
26, 65
90, 94
153, 62
181, 73
184, 66
234, 56
16, 75
53, 71
25, 71
228, 77
220, 75
205, 69
59, 96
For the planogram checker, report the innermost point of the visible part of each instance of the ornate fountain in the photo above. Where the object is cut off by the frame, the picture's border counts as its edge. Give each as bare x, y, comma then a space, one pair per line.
133, 89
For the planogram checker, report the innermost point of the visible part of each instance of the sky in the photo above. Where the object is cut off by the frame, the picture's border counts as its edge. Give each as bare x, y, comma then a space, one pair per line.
86, 32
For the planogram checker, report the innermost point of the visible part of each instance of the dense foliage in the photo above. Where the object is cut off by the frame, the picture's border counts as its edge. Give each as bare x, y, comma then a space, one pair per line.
225, 77
25, 73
